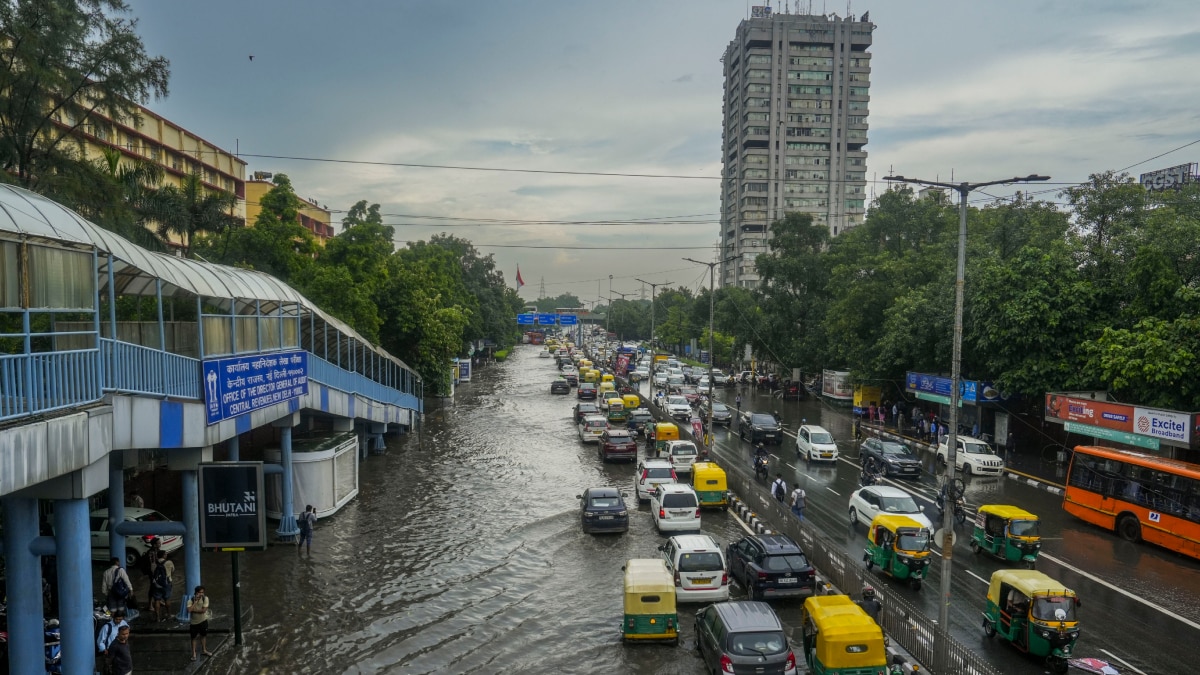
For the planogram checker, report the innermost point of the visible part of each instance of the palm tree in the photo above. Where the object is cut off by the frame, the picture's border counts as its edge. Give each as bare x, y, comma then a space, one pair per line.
191, 209
124, 198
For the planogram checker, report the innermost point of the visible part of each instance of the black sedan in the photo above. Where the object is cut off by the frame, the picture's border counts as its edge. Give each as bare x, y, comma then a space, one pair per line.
602, 509
891, 457
560, 387
721, 414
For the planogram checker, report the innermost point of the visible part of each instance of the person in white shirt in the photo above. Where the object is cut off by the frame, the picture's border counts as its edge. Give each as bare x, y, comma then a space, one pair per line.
111, 585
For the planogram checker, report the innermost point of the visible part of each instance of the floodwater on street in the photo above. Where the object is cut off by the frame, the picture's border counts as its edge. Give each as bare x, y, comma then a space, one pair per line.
463, 553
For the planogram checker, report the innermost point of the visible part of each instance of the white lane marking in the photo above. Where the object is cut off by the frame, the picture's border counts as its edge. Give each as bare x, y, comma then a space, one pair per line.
833, 491
985, 581
790, 466
1120, 590
741, 522
1127, 664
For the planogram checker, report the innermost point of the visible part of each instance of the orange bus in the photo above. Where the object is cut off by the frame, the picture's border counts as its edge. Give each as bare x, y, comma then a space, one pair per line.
1138, 496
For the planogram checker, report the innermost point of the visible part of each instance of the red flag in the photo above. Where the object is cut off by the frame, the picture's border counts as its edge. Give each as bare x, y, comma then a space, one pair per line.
520, 281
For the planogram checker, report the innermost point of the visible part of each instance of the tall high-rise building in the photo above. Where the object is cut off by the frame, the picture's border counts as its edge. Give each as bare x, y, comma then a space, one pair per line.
795, 133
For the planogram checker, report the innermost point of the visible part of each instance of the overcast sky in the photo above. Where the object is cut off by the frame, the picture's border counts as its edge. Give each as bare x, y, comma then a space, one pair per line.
983, 90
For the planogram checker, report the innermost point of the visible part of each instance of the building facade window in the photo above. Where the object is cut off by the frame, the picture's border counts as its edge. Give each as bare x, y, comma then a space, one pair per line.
824, 147
814, 75
859, 91
798, 89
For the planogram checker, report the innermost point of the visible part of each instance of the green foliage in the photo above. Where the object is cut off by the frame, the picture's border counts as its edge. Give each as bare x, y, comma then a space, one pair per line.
1152, 364
276, 244
190, 210
501, 354
562, 300
61, 61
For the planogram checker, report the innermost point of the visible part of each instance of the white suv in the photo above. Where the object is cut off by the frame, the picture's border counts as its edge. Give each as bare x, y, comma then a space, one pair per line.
973, 456
681, 454
592, 428
698, 566
675, 507
815, 443
650, 473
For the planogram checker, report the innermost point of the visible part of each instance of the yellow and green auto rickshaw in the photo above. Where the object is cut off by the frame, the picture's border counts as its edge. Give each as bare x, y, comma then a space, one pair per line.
617, 414
1008, 533
1033, 612
589, 375
650, 613
708, 480
607, 386
608, 377
839, 637
664, 432
899, 546
632, 401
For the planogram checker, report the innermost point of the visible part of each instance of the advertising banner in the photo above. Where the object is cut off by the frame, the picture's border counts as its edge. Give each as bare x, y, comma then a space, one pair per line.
865, 396
1115, 416
937, 388
1164, 424
464, 370
1112, 435
241, 384
835, 384
233, 514
622, 364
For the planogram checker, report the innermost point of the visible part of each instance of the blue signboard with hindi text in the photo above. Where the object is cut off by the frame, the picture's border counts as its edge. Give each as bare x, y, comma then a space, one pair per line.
241, 384
567, 320
525, 319
547, 319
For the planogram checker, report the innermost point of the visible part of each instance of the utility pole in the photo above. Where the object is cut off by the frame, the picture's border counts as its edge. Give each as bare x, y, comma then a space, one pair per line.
608, 312
964, 190
711, 307
652, 289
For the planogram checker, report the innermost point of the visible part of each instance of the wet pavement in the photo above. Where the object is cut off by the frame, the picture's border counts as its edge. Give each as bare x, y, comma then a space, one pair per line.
462, 553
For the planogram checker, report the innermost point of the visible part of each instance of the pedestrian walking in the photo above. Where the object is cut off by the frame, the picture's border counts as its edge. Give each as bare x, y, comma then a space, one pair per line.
779, 488
198, 626
737, 401
119, 658
108, 633
798, 501
160, 587
115, 586
933, 431
896, 415
308, 520
1010, 446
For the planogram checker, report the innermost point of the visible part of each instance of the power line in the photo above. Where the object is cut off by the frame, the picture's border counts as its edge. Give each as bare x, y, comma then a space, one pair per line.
590, 248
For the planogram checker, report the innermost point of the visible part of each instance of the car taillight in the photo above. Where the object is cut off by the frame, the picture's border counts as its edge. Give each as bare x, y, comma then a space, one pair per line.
697, 513
662, 513
762, 576
726, 664
725, 579
677, 581
791, 662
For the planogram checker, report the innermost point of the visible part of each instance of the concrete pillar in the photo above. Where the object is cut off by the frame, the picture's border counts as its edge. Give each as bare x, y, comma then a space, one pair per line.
288, 530
377, 431
73, 540
191, 539
235, 449
116, 504
24, 581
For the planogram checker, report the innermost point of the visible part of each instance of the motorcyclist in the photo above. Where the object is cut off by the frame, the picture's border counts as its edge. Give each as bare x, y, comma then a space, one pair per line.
869, 603
760, 455
869, 476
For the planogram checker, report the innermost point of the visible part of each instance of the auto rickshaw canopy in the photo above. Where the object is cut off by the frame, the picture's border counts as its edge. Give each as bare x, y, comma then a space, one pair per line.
606, 387
649, 587
666, 431
708, 476
897, 525
607, 377
847, 637
1007, 512
632, 401
1030, 583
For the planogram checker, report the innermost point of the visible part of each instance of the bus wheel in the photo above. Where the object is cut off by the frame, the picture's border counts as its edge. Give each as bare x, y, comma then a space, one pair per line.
1129, 528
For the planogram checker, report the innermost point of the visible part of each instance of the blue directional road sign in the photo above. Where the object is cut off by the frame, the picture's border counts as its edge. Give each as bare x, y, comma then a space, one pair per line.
547, 319
525, 319
568, 320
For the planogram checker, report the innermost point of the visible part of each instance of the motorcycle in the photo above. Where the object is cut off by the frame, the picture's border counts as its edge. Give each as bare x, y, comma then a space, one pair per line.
761, 468
955, 494
869, 475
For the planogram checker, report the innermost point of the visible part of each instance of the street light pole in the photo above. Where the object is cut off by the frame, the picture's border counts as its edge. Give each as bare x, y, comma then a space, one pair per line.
711, 307
964, 190
608, 312
653, 363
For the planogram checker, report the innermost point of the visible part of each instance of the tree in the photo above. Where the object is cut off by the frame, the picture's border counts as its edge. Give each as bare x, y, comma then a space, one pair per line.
119, 195
361, 214
276, 244
190, 210
62, 61
1152, 364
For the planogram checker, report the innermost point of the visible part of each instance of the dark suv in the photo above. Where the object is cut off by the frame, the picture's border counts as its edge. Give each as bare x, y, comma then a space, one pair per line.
771, 565
755, 427
891, 457
586, 391
743, 637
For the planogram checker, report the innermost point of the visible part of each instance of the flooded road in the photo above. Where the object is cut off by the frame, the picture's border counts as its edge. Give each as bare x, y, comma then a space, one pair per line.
463, 553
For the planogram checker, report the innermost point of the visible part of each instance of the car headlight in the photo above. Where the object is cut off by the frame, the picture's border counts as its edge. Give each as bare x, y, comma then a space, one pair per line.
622, 514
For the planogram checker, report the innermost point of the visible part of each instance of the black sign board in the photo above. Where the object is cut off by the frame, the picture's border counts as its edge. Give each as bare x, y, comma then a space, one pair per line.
233, 506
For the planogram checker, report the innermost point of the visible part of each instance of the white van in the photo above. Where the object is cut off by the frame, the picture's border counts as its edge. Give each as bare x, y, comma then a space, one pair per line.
698, 566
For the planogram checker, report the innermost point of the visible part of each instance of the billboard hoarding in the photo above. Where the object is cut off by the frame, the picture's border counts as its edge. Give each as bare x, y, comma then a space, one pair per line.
1168, 179
835, 384
1112, 435
1162, 424
233, 514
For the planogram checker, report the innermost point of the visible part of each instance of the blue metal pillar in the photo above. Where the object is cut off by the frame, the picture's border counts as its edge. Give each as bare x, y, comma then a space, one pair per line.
73, 540
288, 530
191, 540
116, 504
162, 337
24, 574
235, 449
